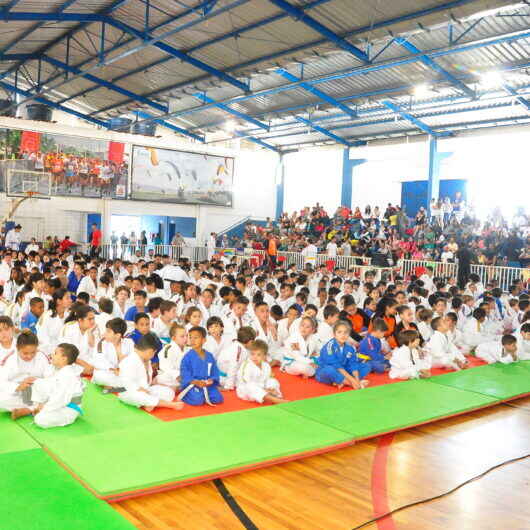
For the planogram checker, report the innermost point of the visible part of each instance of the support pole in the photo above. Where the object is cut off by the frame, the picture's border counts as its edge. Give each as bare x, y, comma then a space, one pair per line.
435, 160
347, 177
280, 186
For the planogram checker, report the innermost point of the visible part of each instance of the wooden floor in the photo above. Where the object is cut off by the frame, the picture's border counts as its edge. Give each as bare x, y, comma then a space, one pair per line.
340, 490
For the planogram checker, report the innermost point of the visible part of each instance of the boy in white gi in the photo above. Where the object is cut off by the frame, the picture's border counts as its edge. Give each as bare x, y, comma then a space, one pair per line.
57, 398
136, 375
325, 328
231, 358
171, 356
407, 361
254, 379
444, 354
503, 351
19, 372
216, 341
8, 344
300, 350
523, 342
455, 335
109, 353
473, 331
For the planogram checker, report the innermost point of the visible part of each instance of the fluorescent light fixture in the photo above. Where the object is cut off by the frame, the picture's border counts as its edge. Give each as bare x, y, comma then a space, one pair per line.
491, 79
422, 91
229, 126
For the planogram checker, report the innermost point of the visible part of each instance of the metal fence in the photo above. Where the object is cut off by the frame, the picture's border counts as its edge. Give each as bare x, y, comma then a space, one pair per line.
408, 267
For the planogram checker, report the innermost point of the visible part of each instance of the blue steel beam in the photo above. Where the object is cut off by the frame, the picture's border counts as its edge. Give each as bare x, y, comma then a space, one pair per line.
321, 130
363, 70
523, 101
226, 108
318, 93
147, 39
103, 83
433, 65
239, 31
9, 6
169, 125
409, 117
257, 141
16, 90
299, 16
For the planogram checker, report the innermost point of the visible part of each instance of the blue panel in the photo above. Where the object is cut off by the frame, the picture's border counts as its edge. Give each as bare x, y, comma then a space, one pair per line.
449, 188
414, 193
186, 226
92, 218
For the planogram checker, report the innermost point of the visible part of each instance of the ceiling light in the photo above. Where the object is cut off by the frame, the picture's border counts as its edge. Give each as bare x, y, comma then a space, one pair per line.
422, 91
491, 79
229, 126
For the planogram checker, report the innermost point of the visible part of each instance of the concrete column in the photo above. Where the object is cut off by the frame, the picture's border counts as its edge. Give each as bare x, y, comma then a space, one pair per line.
348, 166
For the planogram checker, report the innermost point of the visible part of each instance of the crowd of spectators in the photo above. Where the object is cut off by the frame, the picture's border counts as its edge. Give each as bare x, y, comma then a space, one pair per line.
447, 232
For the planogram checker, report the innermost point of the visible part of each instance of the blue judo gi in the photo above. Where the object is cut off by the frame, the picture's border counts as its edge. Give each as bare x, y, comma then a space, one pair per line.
333, 357
194, 367
370, 347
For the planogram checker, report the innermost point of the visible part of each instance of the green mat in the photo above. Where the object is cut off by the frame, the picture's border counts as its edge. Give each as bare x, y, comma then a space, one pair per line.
40, 495
502, 381
136, 458
101, 413
365, 413
12, 437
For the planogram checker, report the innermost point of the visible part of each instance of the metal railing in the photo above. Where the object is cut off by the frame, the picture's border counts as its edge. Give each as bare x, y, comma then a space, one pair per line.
409, 267
504, 276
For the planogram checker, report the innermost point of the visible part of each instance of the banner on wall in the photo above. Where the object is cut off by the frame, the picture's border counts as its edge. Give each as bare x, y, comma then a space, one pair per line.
165, 175
79, 166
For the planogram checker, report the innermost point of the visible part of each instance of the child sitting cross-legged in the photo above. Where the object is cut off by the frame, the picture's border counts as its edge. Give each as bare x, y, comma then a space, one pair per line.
338, 364
254, 378
444, 354
57, 398
136, 375
233, 355
109, 353
171, 356
300, 350
371, 348
408, 361
199, 374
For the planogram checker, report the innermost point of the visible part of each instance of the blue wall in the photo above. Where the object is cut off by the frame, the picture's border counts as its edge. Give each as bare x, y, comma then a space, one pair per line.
168, 226
92, 218
414, 193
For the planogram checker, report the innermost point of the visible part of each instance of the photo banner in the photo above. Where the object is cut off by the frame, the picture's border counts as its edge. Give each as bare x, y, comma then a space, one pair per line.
181, 177
78, 166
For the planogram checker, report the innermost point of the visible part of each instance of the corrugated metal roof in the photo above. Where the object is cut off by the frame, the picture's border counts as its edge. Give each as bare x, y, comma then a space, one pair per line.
253, 55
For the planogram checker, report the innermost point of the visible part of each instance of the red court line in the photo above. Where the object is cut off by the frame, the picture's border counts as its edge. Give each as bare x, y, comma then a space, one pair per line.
379, 484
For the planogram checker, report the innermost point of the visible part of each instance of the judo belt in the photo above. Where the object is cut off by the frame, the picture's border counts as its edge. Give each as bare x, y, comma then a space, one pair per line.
189, 387
288, 361
75, 407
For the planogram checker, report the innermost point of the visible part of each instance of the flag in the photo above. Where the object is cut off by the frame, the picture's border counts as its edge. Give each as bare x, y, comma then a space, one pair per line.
30, 142
116, 150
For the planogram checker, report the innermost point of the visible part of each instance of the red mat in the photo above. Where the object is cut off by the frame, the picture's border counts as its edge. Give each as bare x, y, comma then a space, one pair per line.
294, 388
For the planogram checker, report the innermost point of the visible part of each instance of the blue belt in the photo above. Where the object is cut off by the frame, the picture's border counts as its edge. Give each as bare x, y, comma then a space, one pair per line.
75, 407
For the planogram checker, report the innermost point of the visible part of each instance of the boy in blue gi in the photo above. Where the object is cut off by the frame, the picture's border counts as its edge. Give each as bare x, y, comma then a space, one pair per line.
142, 327
338, 363
370, 348
199, 374
31, 317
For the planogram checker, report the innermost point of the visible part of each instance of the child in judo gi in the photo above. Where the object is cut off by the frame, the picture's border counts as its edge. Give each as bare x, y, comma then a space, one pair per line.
57, 398
338, 364
444, 354
171, 356
233, 355
301, 349
110, 351
408, 361
503, 351
199, 374
136, 375
254, 377
19, 372
371, 348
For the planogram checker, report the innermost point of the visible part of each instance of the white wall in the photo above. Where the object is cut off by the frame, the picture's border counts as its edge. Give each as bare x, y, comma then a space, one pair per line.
311, 176
254, 186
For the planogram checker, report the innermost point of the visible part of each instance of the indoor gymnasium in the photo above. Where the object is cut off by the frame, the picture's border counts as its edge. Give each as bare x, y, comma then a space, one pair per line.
264, 264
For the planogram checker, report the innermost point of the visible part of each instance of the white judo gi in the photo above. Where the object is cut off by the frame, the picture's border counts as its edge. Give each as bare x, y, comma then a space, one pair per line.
169, 365
137, 376
297, 355
61, 394
48, 331
72, 334
255, 382
406, 363
474, 333
493, 352
229, 361
13, 372
106, 362
443, 352
214, 347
